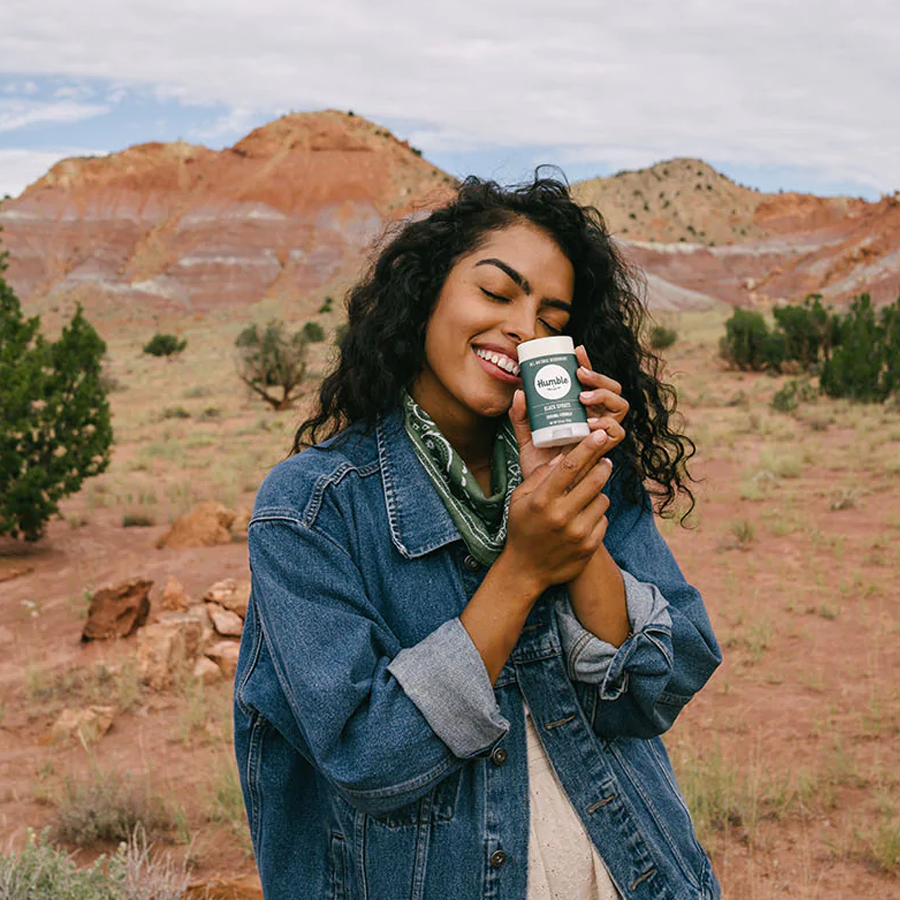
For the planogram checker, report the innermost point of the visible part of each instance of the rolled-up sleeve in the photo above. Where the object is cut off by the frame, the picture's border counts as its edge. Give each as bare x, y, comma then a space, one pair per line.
594, 661
641, 686
445, 678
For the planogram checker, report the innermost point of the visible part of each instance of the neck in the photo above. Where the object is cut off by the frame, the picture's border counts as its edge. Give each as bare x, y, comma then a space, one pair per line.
471, 436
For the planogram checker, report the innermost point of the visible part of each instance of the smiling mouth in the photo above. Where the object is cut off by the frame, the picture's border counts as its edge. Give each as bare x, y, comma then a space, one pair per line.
498, 359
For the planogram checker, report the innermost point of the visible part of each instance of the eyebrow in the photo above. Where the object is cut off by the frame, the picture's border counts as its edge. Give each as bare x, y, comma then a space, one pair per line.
523, 282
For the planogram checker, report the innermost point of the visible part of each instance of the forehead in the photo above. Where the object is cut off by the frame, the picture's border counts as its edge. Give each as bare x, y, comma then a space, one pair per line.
532, 252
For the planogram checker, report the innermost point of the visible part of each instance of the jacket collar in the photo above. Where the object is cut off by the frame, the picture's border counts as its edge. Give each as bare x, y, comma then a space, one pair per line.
418, 519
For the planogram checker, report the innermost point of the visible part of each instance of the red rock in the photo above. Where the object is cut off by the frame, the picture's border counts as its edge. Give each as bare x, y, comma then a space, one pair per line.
206, 525
117, 612
180, 227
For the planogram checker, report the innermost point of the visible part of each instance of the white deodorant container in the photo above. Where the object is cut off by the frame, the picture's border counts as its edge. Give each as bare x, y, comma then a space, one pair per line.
547, 367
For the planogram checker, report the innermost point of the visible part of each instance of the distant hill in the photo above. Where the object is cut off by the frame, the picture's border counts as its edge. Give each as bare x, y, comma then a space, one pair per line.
286, 215
700, 237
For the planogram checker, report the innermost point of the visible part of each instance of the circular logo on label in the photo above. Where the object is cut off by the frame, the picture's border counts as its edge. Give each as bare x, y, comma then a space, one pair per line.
552, 382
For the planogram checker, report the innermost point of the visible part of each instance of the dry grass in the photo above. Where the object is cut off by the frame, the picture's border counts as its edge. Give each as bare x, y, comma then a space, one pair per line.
793, 742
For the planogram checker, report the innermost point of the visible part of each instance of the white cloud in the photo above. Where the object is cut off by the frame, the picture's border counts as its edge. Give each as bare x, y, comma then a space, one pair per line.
19, 168
15, 114
74, 92
237, 121
20, 87
810, 84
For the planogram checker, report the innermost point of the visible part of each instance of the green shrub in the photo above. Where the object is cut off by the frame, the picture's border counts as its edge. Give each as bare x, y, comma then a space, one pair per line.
748, 343
866, 364
809, 330
55, 428
313, 332
662, 337
42, 872
795, 392
326, 306
272, 363
175, 412
167, 345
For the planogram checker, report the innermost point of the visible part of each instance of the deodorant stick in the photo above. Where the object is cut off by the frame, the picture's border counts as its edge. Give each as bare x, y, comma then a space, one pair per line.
547, 367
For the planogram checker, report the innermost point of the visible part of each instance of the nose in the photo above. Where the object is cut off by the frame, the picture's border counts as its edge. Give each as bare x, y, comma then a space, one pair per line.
520, 324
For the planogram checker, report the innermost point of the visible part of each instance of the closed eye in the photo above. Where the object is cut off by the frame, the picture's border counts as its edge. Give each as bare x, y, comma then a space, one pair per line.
550, 327
497, 297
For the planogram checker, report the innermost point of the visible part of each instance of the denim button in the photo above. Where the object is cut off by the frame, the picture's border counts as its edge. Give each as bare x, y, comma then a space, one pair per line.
499, 756
498, 857
470, 563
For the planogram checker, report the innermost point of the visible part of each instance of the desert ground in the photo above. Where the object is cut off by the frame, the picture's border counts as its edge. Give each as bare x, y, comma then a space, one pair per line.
787, 758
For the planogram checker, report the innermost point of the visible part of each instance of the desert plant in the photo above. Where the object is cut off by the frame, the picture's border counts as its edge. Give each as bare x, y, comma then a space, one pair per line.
866, 365
55, 426
313, 332
749, 344
137, 520
809, 330
795, 392
662, 337
272, 363
167, 345
107, 807
43, 872
326, 305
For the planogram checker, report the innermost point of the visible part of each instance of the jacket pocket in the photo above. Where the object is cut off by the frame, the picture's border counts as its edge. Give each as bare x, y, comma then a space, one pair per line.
338, 868
438, 805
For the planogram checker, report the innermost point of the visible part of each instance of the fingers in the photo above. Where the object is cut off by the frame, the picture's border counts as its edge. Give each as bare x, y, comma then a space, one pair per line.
591, 379
518, 416
580, 530
615, 433
601, 393
581, 355
575, 464
589, 489
606, 400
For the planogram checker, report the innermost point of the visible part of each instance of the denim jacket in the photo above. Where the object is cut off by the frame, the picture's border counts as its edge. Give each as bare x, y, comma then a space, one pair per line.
376, 759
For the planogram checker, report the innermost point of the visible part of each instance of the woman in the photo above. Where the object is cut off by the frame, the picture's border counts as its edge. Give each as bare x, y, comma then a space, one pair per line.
461, 650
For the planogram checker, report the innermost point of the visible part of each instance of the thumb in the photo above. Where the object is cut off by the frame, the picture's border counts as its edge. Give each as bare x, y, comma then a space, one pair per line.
518, 416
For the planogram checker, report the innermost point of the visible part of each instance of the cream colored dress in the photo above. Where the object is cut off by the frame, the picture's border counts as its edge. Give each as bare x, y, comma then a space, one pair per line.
562, 862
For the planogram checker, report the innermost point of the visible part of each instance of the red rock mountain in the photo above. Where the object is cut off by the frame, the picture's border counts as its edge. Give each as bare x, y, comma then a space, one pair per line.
287, 212
698, 235
173, 227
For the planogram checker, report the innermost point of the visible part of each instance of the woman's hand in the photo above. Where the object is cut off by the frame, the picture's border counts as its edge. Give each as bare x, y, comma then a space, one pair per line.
606, 408
557, 516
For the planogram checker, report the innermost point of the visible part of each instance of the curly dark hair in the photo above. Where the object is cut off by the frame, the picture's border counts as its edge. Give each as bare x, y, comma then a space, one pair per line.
383, 348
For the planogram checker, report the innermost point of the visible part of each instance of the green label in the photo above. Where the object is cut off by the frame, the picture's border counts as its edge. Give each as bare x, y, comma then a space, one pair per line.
551, 391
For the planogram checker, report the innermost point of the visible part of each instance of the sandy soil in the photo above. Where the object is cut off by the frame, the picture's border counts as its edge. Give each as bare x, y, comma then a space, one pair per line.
787, 758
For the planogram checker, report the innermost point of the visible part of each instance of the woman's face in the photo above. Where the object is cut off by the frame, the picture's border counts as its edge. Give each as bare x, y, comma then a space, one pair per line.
516, 286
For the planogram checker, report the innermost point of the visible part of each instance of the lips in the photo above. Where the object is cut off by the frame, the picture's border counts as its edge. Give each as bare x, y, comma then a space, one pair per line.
501, 360
500, 370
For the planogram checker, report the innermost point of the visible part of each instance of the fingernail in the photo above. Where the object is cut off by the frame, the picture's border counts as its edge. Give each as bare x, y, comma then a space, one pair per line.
593, 421
555, 459
599, 437
585, 395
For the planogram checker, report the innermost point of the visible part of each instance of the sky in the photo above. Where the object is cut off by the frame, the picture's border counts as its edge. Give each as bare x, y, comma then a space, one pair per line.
777, 94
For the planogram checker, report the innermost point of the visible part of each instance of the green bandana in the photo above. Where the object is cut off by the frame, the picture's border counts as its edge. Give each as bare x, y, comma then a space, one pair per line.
481, 520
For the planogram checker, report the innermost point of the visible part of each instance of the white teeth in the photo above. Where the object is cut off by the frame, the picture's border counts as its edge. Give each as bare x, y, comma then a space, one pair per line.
499, 360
